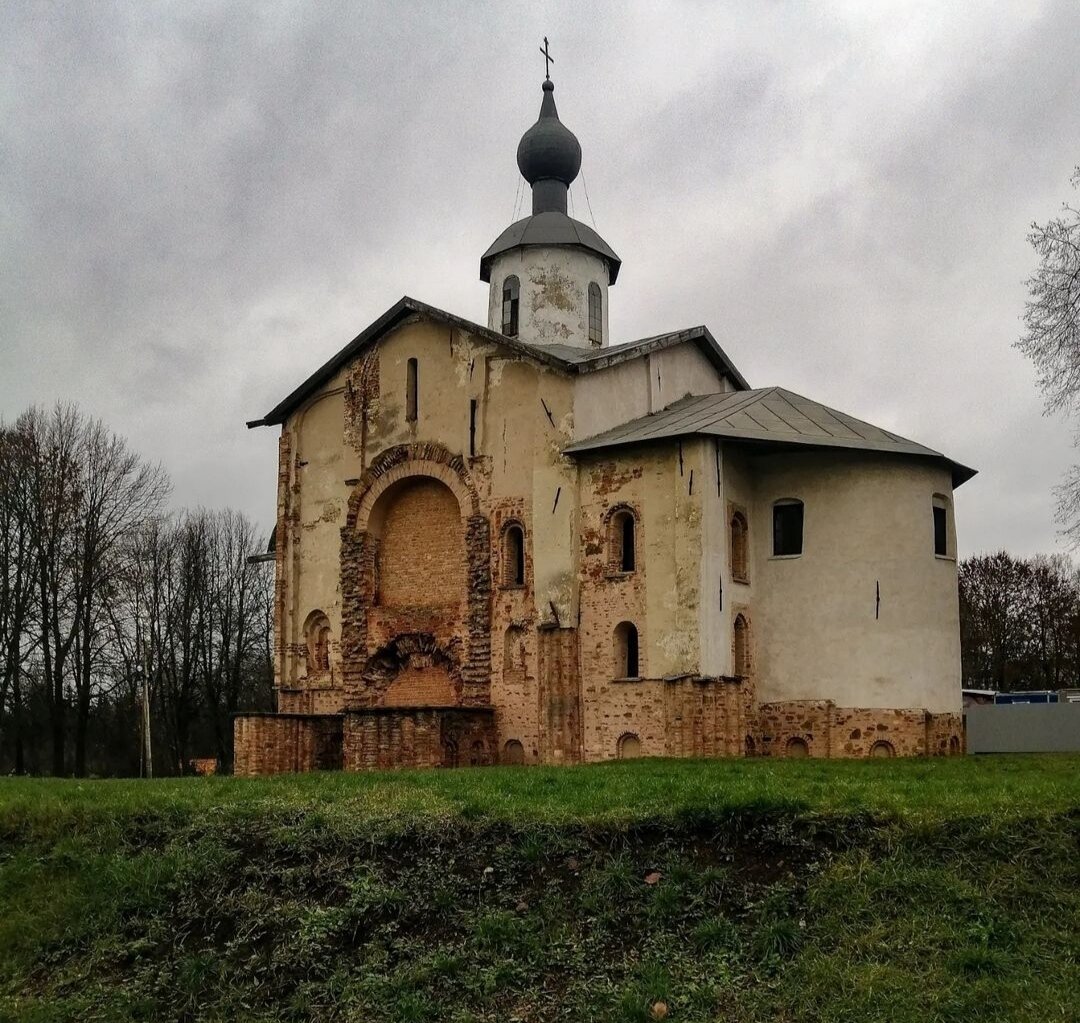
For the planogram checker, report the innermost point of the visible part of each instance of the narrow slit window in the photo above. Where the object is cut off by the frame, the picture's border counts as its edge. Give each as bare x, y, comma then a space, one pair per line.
628, 543
623, 542
510, 294
411, 396
472, 427
596, 315
515, 556
941, 528
787, 528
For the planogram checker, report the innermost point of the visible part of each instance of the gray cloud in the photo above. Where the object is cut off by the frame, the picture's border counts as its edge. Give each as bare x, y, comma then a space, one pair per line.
201, 202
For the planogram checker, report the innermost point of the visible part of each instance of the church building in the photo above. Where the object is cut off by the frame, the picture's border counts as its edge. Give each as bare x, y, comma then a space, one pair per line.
522, 543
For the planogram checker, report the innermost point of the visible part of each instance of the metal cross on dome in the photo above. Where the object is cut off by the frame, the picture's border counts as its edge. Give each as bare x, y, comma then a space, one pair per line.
548, 60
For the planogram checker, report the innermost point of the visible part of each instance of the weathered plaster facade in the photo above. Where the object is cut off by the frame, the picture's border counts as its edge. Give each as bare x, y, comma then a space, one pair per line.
535, 549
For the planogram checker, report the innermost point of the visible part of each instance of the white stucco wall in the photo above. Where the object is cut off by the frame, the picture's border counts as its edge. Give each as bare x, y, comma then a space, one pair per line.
818, 632
606, 398
554, 293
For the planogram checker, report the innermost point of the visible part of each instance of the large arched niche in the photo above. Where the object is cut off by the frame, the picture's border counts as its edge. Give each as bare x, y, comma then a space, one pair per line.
384, 507
419, 538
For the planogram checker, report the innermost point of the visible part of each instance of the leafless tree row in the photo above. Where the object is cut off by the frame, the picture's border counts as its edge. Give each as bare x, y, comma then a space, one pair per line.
104, 597
1020, 622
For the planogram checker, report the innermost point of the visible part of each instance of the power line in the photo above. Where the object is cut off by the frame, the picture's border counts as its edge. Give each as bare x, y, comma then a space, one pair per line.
585, 185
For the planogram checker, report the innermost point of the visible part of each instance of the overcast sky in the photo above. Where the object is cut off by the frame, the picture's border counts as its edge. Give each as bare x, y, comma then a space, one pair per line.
201, 202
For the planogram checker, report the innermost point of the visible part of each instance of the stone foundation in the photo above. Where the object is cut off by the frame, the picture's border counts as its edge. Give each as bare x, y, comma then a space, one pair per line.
819, 728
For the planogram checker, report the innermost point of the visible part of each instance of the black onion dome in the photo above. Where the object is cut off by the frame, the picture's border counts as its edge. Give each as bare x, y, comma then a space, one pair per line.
549, 150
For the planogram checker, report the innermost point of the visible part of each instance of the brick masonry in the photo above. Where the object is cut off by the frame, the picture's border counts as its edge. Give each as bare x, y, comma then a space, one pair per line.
830, 731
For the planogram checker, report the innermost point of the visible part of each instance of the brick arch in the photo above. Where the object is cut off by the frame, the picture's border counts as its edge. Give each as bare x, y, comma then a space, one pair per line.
392, 675
405, 461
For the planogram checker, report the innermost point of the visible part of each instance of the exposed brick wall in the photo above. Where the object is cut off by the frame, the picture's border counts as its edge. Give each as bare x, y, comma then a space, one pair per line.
284, 743
421, 686
560, 696
389, 737
421, 558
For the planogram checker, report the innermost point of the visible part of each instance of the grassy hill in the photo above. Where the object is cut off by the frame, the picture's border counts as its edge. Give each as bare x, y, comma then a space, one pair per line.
738, 891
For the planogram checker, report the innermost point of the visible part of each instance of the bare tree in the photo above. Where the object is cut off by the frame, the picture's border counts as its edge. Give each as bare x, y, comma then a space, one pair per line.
105, 598
16, 578
1051, 337
1019, 622
117, 492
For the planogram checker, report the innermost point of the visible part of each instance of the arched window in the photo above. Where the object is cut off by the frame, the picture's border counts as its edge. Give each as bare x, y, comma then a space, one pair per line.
954, 745
787, 518
750, 747
941, 525
740, 647
881, 748
796, 748
596, 315
626, 651
738, 548
628, 746
510, 291
514, 556
513, 752
623, 541
317, 638
411, 398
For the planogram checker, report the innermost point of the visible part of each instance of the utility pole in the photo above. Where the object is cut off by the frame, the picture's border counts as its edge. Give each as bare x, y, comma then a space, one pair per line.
147, 750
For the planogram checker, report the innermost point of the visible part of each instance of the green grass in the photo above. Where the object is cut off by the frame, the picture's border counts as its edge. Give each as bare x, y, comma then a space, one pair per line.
930, 890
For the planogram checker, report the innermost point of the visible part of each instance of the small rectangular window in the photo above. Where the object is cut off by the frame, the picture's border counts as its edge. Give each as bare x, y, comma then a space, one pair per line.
787, 529
411, 400
941, 532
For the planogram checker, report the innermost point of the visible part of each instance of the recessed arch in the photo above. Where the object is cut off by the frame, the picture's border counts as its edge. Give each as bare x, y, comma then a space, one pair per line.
740, 533
317, 640
740, 647
881, 748
513, 554
513, 752
621, 525
628, 747
626, 654
797, 748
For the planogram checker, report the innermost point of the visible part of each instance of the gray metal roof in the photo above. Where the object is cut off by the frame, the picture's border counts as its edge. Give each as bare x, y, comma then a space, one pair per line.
563, 357
769, 415
550, 228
